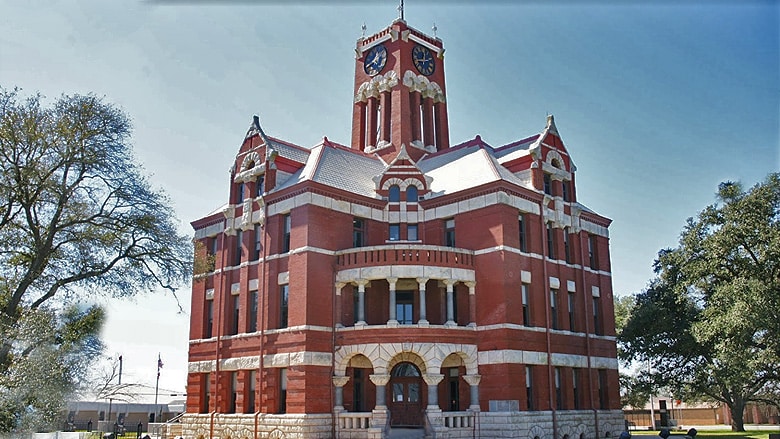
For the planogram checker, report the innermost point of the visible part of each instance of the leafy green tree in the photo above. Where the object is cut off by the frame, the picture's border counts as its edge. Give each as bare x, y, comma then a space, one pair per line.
708, 322
77, 219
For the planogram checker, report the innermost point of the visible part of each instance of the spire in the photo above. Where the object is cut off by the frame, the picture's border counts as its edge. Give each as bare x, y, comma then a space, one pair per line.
401, 10
551, 124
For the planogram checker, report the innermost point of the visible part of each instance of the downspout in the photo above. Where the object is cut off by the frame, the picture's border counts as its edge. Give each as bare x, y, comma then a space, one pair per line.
550, 377
263, 273
334, 417
219, 335
587, 338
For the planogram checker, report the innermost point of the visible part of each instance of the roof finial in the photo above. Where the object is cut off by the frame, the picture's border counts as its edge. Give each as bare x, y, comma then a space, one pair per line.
434, 28
364, 29
401, 10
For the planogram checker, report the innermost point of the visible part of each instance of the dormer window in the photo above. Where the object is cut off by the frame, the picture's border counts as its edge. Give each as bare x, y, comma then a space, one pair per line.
411, 194
394, 194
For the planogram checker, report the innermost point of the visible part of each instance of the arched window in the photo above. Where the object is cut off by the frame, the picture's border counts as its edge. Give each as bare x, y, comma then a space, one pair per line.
411, 194
395, 194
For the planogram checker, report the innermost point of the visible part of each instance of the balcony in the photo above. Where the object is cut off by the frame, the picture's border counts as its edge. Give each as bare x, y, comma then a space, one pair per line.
404, 254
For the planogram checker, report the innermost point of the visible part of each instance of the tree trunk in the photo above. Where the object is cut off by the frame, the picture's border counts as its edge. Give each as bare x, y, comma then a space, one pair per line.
737, 415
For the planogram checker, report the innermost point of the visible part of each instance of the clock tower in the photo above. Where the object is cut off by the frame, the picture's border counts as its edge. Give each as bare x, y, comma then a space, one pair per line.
400, 96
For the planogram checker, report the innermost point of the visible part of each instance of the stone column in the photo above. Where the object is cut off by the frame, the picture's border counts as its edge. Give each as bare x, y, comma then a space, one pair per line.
339, 382
421, 281
392, 321
380, 381
472, 304
433, 380
361, 301
450, 306
339, 286
473, 381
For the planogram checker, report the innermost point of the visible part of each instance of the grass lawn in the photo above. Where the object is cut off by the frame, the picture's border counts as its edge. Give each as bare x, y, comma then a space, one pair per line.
713, 434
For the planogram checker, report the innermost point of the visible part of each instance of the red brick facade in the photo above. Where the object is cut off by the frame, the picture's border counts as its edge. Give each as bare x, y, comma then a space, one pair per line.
402, 278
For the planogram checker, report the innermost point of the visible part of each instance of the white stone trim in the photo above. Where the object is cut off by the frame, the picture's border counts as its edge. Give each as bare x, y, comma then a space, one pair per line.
525, 277
254, 284
235, 289
571, 286
422, 42
304, 358
283, 278
512, 356
381, 355
210, 294
595, 291
555, 283
406, 271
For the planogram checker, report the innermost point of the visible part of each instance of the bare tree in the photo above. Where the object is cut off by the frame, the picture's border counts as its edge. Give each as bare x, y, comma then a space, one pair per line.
77, 216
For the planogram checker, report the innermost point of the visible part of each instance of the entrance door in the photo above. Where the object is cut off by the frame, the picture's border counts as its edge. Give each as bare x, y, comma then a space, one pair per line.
406, 405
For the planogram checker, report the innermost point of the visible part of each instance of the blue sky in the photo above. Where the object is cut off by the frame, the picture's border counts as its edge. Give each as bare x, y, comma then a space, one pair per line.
657, 102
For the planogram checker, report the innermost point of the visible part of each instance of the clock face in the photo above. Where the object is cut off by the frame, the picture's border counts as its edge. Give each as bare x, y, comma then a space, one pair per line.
375, 60
424, 60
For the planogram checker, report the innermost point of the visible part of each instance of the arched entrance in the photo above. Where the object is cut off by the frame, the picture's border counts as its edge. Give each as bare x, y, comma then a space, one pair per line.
406, 396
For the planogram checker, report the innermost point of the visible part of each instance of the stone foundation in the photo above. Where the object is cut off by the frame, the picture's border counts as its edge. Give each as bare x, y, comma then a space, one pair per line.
571, 424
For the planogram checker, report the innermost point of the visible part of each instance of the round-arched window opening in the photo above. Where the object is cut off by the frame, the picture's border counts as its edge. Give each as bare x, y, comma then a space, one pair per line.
565, 436
411, 194
582, 435
556, 163
608, 434
394, 194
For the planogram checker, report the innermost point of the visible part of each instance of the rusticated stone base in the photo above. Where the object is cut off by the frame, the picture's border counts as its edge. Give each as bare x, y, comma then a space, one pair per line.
572, 424
250, 426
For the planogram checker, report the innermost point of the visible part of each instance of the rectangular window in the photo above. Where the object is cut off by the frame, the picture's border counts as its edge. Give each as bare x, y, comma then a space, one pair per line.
284, 298
358, 232
565, 191
449, 233
526, 310
282, 390
253, 298
236, 311
554, 309
602, 383
212, 248
523, 235
208, 329
567, 245
571, 312
592, 257
240, 193
205, 395
239, 247
287, 227
576, 388
258, 247
411, 232
395, 232
249, 404
550, 241
404, 307
558, 392
596, 317
260, 185
547, 184
529, 387
233, 392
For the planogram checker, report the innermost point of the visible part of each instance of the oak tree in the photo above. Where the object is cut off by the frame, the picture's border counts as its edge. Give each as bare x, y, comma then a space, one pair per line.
708, 322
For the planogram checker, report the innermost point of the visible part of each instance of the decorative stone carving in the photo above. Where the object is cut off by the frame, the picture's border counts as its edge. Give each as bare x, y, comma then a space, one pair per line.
340, 381
426, 87
379, 380
472, 380
229, 213
433, 379
377, 85
246, 216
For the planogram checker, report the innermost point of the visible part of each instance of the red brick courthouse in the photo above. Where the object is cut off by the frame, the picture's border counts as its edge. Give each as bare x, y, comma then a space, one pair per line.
402, 281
